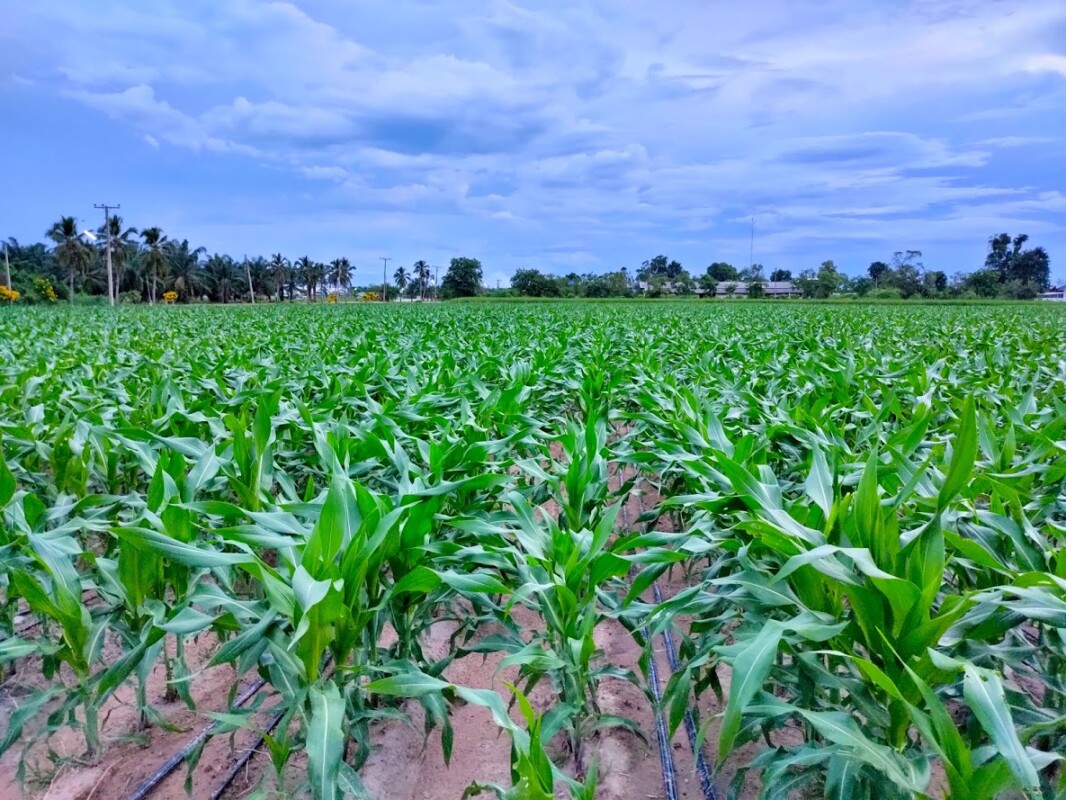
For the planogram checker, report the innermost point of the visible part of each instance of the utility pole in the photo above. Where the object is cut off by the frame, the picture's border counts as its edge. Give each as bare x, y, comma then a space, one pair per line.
751, 253
384, 285
107, 232
7, 265
436, 285
248, 272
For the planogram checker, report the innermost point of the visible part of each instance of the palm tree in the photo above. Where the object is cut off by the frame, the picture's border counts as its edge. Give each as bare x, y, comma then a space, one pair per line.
222, 278
422, 274
280, 267
71, 252
341, 273
321, 275
402, 277
156, 259
305, 268
185, 268
121, 243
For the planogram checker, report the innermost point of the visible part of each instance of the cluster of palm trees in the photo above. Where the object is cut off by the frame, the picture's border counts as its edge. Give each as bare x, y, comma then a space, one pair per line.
146, 264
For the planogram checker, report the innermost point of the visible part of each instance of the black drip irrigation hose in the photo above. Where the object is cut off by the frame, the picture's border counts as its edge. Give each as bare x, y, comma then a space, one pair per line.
246, 756
148, 785
666, 756
703, 772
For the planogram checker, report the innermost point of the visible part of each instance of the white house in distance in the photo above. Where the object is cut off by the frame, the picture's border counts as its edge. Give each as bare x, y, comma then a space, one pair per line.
769, 289
1055, 293
739, 289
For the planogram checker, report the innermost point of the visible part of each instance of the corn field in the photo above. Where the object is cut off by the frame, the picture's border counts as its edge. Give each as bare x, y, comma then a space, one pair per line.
848, 522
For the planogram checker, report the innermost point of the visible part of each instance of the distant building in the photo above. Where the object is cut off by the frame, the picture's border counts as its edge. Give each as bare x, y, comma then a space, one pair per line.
769, 289
722, 289
1055, 293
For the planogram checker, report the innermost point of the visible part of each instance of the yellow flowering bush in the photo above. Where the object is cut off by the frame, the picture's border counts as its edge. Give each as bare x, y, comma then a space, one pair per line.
369, 297
9, 295
332, 297
170, 297
44, 289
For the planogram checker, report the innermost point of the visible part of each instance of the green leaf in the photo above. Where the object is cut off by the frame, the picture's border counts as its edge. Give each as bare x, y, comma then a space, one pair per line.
983, 693
325, 740
965, 453
336, 526
842, 729
819, 484
407, 684
188, 554
7, 480
751, 667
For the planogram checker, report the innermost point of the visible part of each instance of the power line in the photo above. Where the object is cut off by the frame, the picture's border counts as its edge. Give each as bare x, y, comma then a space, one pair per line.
107, 232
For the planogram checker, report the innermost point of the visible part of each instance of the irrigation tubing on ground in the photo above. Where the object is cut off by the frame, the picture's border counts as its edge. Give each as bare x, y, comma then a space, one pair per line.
148, 785
666, 756
246, 756
702, 770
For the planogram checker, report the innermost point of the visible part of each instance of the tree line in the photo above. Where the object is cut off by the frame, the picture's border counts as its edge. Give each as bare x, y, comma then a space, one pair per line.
1010, 271
149, 267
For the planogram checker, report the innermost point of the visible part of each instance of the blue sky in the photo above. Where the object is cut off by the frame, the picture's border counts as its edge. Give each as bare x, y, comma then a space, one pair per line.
567, 136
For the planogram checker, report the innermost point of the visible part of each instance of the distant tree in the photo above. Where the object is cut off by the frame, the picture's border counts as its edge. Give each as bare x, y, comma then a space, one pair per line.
781, 275
877, 270
808, 283
752, 273
71, 252
185, 269
463, 278
307, 269
829, 280
156, 260
534, 283
934, 282
756, 287
983, 283
221, 277
730, 289
720, 271
862, 285
683, 283
281, 268
421, 269
1034, 267
402, 278
1018, 290
340, 273
652, 267
1012, 263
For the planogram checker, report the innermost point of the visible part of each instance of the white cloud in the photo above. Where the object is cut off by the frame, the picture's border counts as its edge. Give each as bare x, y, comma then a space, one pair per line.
151, 141
1048, 62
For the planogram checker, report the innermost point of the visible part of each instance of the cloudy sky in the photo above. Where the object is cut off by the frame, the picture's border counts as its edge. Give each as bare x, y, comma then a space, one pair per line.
563, 135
